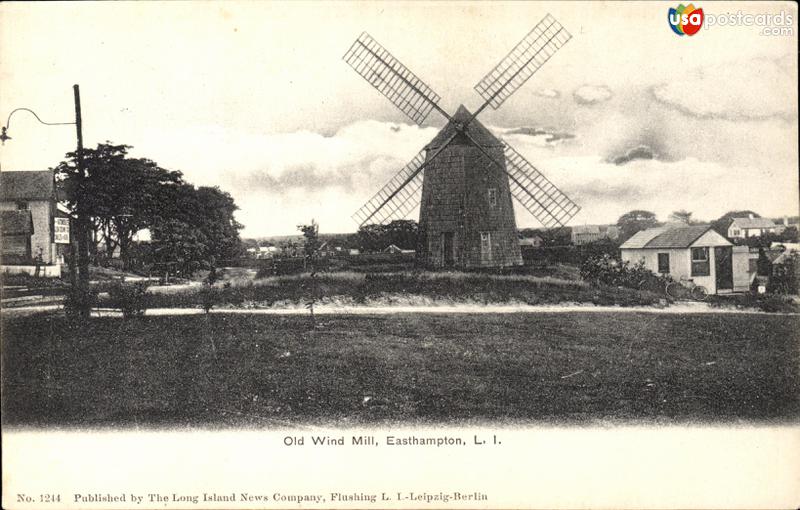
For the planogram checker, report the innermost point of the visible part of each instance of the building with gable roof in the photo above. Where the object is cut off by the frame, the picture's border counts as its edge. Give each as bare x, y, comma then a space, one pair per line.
585, 234
742, 228
27, 212
697, 253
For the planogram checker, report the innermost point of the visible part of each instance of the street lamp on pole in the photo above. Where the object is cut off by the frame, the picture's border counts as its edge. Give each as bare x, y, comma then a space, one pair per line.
81, 220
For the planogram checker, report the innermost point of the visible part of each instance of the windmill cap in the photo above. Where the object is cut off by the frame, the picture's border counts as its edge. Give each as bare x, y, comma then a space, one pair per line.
476, 130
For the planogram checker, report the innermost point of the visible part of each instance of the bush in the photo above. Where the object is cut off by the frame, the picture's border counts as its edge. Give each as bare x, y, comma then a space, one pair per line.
606, 270
209, 296
77, 300
785, 278
130, 298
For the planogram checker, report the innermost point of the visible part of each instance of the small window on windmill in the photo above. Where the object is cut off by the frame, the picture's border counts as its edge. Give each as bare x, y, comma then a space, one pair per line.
492, 197
486, 246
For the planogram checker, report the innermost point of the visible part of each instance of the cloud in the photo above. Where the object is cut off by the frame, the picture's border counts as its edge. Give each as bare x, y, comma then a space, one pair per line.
605, 191
639, 152
282, 179
755, 89
592, 94
544, 137
548, 93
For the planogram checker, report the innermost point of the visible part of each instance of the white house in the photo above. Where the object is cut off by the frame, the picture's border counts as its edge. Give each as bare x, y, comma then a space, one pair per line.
531, 242
741, 228
696, 253
393, 248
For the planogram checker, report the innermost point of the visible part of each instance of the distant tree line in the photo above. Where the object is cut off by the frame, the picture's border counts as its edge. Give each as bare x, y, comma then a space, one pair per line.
190, 227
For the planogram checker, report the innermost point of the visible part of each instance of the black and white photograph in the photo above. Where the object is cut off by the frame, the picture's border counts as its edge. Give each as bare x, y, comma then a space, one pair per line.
398, 254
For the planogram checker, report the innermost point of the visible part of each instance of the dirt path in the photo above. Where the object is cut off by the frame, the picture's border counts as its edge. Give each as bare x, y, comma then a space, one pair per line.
683, 308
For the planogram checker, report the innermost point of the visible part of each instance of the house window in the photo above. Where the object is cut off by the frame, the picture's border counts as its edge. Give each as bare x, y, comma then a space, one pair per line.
735, 232
663, 263
486, 246
492, 197
700, 265
22, 206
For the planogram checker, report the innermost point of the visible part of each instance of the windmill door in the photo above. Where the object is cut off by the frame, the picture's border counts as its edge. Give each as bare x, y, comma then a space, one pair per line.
448, 255
724, 267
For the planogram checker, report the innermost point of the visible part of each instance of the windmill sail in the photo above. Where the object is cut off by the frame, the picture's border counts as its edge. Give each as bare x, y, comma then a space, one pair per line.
536, 193
536, 48
397, 198
392, 79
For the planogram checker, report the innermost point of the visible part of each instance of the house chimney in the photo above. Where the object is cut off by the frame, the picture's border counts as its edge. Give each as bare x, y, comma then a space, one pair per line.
751, 216
785, 221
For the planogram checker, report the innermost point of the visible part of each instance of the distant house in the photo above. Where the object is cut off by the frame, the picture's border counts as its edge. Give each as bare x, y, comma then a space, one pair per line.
696, 253
262, 252
28, 204
585, 234
267, 252
742, 228
531, 242
393, 248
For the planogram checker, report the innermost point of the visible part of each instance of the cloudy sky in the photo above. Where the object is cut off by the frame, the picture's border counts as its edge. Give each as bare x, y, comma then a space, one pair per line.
254, 97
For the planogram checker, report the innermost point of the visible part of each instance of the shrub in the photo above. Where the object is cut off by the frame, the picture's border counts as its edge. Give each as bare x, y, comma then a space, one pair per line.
209, 296
130, 298
607, 270
212, 276
785, 278
78, 300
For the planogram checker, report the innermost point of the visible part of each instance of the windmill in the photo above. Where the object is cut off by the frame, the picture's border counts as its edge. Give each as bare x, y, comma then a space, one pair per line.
464, 179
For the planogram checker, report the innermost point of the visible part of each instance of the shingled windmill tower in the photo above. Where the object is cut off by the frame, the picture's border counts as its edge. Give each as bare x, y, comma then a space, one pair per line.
464, 179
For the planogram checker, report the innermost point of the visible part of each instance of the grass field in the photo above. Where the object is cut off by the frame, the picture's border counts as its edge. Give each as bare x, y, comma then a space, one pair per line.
247, 370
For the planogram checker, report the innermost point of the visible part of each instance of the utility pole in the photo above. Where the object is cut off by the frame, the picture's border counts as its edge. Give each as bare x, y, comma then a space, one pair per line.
81, 222
81, 219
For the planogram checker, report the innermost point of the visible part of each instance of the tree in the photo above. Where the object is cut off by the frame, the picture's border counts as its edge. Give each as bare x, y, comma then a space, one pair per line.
311, 245
371, 238
402, 233
376, 237
558, 236
121, 195
634, 221
682, 216
196, 228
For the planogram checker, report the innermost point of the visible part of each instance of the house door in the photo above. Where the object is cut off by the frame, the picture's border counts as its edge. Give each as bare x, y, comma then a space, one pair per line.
724, 266
448, 258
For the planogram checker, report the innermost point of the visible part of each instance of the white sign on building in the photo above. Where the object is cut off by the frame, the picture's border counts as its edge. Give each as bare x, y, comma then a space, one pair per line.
62, 230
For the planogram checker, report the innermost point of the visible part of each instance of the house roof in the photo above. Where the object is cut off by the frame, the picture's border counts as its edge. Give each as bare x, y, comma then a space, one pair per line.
586, 229
642, 237
752, 223
16, 222
665, 237
31, 185
595, 229
475, 129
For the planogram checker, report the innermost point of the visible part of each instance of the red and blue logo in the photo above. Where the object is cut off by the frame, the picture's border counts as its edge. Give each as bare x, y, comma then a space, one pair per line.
685, 20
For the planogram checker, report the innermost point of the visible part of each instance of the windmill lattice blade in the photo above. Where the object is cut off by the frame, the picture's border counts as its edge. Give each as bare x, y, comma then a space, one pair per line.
395, 200
536, 48
536, 193
391, 78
